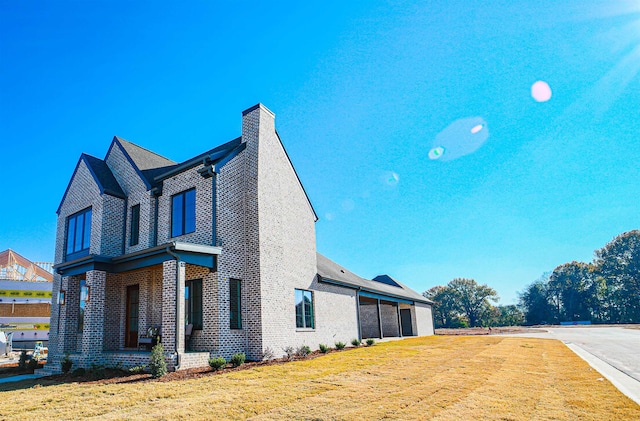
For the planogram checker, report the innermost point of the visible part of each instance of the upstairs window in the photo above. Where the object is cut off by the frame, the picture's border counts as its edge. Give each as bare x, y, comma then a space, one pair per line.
183, 213
193, 303
235, 304
304, 310
134, 236
79, 234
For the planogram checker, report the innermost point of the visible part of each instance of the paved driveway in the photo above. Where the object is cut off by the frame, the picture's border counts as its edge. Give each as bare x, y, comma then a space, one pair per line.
613, 351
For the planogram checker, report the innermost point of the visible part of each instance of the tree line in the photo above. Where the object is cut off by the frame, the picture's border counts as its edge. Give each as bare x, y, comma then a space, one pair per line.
606, 290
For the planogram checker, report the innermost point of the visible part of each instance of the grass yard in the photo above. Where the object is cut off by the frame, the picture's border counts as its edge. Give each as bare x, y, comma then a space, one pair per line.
440, 378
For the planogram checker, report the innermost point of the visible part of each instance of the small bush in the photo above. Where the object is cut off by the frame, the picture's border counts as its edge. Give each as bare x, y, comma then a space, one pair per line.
32, 365
23, 361
356, 342
66, 363
217, 363
290, 352
79, 372
323, 348
370, 342
137, 369
268, 354
340, 345
238, 359
157, 362
303, 351
98, 371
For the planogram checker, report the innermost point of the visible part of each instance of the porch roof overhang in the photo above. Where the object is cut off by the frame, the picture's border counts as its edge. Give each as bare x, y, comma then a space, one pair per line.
195, 254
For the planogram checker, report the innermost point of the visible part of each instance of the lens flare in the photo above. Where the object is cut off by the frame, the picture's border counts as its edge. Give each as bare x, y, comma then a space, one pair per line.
436, 153
540, 91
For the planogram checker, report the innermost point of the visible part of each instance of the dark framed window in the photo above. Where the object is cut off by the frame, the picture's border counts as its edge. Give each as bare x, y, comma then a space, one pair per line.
305, 318
193, 303
134, 236
79, 233
183, 213
235, 304
84, 298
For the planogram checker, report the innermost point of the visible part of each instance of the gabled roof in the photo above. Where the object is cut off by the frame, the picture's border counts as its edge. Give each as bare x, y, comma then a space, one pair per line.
330, 271
147, 164
102, 175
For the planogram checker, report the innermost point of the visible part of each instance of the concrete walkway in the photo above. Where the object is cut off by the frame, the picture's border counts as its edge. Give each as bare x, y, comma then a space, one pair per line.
21, 377
612, 351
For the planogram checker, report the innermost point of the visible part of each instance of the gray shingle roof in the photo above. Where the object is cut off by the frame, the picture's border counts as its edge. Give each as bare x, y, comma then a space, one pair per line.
104, 176
332, 271
149, 163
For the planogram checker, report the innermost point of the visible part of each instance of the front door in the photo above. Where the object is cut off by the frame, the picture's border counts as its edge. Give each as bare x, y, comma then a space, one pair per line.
131, 331
405, 320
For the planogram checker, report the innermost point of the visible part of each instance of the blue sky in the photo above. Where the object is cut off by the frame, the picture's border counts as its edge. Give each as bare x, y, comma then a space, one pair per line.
362, 91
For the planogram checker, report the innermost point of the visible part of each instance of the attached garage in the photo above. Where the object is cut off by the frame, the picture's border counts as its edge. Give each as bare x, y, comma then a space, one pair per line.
384, 307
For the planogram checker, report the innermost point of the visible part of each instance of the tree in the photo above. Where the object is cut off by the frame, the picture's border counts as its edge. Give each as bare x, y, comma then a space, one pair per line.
472, 299
536, 304
510, 315
570, 285
618, 263
445, 311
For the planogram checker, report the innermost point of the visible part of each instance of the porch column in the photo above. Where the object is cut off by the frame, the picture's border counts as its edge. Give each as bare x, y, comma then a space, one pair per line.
379, 318
173, 275
67, 323
399, 320
93, 332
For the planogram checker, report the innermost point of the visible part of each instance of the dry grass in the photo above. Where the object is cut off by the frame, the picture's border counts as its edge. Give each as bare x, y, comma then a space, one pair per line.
440, 378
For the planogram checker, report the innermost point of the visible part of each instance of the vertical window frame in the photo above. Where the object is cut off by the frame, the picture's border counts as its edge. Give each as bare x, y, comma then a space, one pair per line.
78, 233
235, 302
187, 213
305, 314
134, 231
193, 303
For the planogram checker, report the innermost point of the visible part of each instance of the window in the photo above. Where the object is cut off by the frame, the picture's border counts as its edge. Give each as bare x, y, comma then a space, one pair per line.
183, 213
84, 298
193, 303
79, 233
134, 236
235, 304
304, 309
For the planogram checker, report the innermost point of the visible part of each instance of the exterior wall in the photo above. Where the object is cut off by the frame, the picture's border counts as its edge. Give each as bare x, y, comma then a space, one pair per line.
389, 313
207, 338
137, 194
93, 326
423, 320
369, 318
204, 199
107, 215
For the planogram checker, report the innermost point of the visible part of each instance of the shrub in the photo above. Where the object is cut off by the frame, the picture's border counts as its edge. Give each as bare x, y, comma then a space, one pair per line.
323, 348
217, 363
79, 372
24, 359
66, 363
303, 351
340, 345
238, 359
268, 354
370, 342
137, 369
290, 352
157, 362
32, 365
98, 371
356, 342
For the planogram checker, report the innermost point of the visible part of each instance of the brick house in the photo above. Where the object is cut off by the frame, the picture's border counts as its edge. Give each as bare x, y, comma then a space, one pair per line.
223, 242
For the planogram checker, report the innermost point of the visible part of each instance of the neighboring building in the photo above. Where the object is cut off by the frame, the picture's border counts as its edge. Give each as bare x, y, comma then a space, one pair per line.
25, 298
223, 242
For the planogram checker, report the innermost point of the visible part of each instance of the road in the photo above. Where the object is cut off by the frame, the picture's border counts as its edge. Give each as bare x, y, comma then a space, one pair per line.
613, 351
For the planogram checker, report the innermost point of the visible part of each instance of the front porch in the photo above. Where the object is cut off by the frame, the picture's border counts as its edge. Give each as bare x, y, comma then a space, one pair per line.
103, 314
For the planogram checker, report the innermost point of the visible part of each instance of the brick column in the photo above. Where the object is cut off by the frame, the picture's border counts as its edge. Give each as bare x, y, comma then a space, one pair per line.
93, 332
172, 310
68, 315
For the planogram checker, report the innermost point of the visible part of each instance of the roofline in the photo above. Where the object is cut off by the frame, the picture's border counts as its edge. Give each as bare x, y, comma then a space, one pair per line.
95, 178
116, 140
315, 215
371, 290
203, 159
